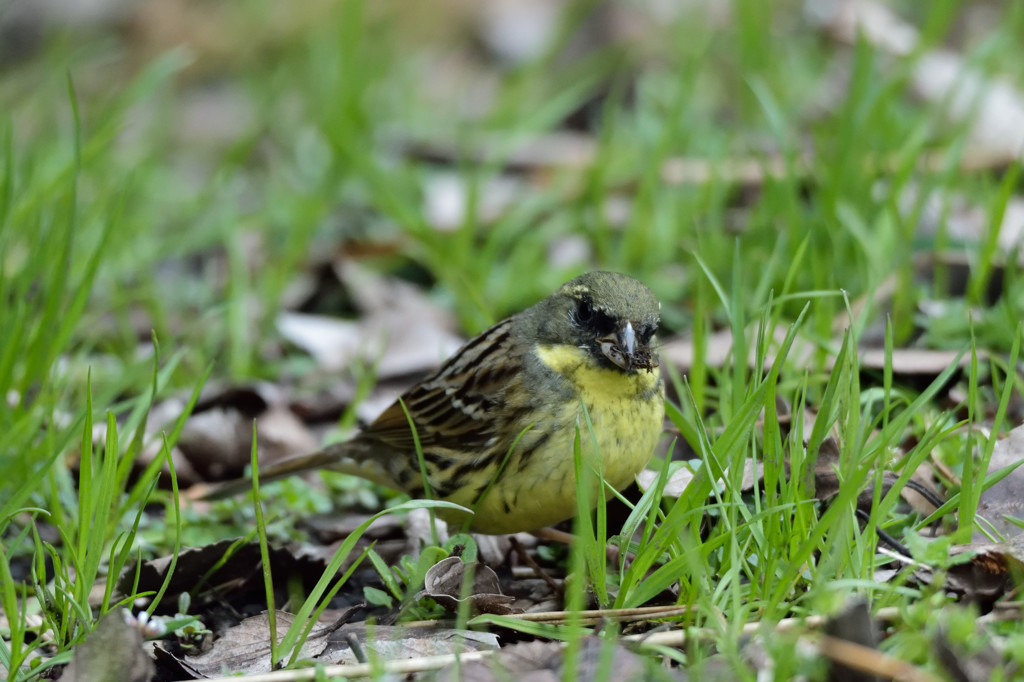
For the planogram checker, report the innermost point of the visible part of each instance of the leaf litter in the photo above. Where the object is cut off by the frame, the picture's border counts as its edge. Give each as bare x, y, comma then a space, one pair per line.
113, 651
245, 647
984, 576
452, 582
216, 442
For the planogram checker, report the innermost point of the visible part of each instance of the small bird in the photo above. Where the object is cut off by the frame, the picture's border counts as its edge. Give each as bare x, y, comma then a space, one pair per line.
496, 424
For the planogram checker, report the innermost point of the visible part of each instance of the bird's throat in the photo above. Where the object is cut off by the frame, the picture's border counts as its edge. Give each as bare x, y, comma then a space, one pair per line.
593, 382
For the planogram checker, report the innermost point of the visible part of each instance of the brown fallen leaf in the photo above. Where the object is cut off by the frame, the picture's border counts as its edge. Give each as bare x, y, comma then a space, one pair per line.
240, 572
987, 575
164, 412
111, 653
597, 659
824, 476
444, 584
852, 624
400, 329
216, 440
1005, 500
245, 648
395, 642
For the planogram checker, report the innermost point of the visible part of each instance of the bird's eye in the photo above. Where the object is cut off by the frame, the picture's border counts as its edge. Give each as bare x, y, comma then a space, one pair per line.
646, 334
584, 311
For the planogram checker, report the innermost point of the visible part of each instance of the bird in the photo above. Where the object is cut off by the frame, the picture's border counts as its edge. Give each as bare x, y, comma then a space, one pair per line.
493, 428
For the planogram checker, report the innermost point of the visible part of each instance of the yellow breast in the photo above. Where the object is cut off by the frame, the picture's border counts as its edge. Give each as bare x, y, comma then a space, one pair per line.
537, 488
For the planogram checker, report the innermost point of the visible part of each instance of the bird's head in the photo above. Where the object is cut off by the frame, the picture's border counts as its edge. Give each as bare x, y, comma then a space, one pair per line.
611, 315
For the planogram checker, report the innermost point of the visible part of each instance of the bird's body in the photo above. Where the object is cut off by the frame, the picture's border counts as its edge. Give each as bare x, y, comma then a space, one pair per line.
497, 422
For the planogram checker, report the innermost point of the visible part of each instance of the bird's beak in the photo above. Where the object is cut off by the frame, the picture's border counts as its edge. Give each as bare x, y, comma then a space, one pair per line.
621, 348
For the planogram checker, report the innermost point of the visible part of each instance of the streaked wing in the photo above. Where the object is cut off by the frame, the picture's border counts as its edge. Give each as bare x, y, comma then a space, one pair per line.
458, 407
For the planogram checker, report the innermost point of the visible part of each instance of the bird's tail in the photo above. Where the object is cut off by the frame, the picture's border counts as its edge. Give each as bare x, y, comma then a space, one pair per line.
348, 458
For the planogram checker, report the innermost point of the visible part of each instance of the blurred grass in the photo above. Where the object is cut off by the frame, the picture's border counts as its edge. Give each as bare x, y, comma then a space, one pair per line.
124, 210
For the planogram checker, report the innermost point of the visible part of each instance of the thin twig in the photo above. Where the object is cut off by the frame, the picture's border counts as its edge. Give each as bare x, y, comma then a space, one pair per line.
869, 660
524, 556
640, 612
411, 665
677, 638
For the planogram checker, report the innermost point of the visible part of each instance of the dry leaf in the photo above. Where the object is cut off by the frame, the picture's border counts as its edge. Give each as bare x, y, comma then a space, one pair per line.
400, 330
241, 572
245, 648
391, 643
988, 574
444, 584
852, 624
674, 487
543, 662
914, 362
216, 441
111, 653
680, 478
1006, 498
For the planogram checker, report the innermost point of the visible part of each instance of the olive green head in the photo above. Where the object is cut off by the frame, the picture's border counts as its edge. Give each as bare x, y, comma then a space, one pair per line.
612, 315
